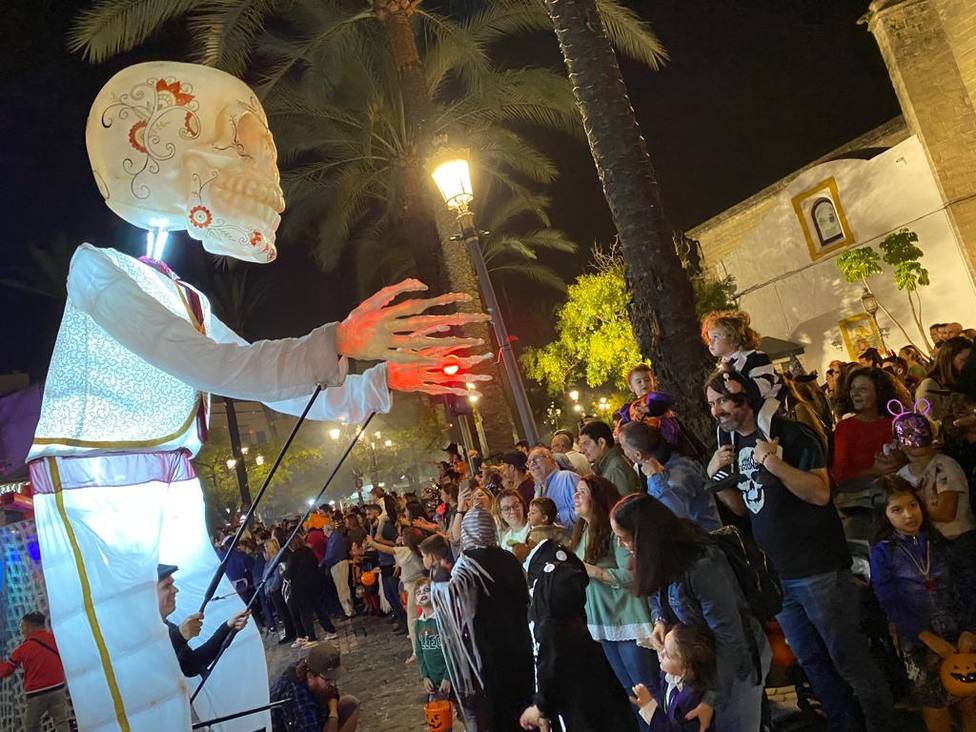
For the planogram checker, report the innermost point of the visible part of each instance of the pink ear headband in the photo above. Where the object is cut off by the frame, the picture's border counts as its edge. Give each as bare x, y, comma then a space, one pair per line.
911, 428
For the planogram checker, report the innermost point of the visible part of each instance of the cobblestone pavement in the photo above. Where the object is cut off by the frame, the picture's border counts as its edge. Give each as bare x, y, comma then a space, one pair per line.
373, 670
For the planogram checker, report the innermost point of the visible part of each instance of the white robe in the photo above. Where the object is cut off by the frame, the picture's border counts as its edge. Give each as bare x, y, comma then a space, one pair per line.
116, 493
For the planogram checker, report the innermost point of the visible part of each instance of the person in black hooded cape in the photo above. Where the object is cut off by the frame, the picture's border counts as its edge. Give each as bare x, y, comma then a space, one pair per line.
576, 689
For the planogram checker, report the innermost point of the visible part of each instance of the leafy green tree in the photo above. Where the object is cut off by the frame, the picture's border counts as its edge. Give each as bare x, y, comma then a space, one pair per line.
900, 252
595, 340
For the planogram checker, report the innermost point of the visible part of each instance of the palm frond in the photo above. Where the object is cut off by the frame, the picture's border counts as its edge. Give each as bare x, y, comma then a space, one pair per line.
225, 31
534, 271
496, 247
630, 35
290, 53
111, 27
515, 207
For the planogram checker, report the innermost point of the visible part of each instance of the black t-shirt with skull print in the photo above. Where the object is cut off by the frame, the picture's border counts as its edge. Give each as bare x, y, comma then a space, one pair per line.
801, 539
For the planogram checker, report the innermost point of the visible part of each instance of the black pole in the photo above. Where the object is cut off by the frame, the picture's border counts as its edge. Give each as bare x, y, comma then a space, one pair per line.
273, 564
215, 580
266, 707
235, 448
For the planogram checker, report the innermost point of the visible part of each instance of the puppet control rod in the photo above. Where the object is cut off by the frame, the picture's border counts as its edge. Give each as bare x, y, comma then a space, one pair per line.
273, 564
215, 580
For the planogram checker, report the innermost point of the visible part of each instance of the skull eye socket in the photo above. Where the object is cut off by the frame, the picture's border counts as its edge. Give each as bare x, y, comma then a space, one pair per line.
253, 140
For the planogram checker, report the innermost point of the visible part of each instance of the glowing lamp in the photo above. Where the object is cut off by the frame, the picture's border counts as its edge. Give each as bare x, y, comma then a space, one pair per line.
259, 460
388, 443
473, 398
577, 407
574, 395
452, 174
245, 450
310, 502
231, 463
334, 433
870, 303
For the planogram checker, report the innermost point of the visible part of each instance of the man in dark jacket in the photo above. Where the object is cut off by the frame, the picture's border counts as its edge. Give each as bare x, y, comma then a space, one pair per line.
193, 661
574, 681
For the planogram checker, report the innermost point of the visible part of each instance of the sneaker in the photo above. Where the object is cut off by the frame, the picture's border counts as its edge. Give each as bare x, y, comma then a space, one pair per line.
310, 644
299, 642
331, 636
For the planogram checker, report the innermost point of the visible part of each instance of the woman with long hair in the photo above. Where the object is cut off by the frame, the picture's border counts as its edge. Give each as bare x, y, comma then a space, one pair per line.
272, 589
615, 616
385, 534
688, 580
859, 439
937, 388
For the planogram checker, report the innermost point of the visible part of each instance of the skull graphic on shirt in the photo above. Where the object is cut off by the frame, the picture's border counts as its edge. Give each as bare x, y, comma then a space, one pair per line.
750, 484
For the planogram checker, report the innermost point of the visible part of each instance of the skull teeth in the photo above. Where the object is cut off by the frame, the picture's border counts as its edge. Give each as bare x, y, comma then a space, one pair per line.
248, 207
266, 193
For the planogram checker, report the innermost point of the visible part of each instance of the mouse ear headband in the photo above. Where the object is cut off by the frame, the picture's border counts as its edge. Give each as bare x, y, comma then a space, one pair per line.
911, 428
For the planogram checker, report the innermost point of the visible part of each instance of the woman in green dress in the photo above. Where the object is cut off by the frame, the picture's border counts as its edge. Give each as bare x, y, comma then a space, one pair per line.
616, 618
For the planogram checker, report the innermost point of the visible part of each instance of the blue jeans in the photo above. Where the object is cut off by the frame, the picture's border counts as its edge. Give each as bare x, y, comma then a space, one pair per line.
632, 665
820, 620
391, 588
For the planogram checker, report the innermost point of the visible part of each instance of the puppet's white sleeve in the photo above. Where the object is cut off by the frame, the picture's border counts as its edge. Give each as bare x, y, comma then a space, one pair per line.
351, 401
265, 371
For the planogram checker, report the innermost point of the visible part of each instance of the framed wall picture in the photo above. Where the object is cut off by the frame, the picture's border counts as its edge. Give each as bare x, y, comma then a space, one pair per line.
822, 218
860, 333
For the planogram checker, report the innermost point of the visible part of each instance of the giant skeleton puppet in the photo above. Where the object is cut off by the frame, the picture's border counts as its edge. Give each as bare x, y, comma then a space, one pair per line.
181, 146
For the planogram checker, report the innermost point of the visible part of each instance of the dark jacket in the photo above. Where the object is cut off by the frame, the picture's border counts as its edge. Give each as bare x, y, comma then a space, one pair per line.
670, 717
574, 680
337, 550
501, 633
194, 661
302, 570
902, 591
708, 596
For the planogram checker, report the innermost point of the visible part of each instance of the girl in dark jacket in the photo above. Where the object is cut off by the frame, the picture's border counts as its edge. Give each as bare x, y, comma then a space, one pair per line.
929, 616
688, 580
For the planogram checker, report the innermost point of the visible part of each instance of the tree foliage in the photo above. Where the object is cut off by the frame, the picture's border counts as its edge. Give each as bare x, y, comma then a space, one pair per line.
595, 341
899, 250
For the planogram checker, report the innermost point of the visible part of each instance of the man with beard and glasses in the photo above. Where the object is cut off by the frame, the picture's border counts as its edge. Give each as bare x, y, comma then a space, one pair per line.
780, 481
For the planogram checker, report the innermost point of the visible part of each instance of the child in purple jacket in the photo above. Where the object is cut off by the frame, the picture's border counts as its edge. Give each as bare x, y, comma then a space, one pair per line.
687, 670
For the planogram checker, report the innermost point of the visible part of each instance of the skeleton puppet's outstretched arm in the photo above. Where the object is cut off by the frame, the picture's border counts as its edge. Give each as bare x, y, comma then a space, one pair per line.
267, 371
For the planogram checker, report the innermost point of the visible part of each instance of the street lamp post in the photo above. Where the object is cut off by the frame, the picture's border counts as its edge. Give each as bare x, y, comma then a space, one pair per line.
871, 305
452, 174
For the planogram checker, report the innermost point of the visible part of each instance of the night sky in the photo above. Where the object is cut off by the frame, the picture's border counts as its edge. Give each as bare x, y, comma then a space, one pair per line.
753, 90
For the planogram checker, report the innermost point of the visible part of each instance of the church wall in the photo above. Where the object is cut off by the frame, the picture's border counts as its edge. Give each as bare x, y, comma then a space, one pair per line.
789, 282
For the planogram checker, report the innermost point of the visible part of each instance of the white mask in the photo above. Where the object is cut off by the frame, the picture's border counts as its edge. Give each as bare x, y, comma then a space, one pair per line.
185, 146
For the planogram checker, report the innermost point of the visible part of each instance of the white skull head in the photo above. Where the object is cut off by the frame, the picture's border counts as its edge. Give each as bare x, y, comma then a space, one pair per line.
188, 147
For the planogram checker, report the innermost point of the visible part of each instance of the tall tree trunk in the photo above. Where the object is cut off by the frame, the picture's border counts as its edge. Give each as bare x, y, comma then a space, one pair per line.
235, 446
427, 224
662, 306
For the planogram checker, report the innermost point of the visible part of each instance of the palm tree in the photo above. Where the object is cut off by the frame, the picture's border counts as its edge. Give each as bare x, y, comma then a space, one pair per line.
446, 82
47, 273
662, 307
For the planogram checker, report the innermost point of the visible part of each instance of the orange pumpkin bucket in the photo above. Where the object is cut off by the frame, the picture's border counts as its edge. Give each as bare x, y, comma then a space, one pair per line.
440, 715
368, 579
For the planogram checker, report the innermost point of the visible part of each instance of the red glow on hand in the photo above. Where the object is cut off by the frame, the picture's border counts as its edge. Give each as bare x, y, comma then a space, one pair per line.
453, 367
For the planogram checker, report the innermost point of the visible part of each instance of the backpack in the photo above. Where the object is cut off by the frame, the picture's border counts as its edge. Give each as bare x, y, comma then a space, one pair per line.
754, 572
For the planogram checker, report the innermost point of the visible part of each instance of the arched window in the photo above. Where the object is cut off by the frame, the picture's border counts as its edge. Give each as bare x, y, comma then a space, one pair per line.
826, 222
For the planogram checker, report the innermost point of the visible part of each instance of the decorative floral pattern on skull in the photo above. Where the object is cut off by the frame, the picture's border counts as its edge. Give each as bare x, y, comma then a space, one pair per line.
188, 147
